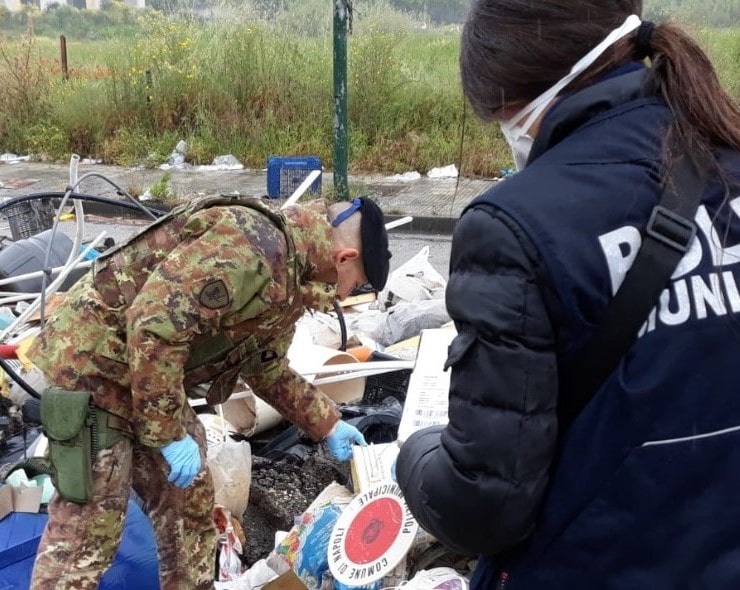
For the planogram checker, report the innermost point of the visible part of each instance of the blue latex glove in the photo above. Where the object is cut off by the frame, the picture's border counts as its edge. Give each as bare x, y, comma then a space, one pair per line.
341, 438
183, 457
393, 471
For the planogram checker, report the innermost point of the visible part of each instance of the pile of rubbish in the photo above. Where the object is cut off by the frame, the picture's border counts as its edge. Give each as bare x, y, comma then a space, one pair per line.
287, 513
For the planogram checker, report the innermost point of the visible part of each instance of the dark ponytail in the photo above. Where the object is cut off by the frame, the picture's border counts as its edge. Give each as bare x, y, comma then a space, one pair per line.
683, 75
513, 50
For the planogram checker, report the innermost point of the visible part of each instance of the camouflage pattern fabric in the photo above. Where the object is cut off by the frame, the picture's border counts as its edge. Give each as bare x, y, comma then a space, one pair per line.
198, 298
81, 540
201, 296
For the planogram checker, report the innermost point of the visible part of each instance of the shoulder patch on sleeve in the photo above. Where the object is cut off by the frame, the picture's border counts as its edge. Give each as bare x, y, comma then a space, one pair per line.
267, 356
214, 295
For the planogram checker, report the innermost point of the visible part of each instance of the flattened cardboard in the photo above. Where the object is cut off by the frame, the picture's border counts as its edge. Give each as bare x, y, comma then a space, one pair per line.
357, 299
27, 499
19, 499
6, 501
287, 581
51, 304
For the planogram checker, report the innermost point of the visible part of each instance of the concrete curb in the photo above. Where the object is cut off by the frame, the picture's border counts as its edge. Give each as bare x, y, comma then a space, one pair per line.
425, 225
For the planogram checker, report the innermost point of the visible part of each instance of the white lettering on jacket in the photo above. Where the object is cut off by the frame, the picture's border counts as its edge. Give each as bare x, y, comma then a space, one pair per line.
691, 295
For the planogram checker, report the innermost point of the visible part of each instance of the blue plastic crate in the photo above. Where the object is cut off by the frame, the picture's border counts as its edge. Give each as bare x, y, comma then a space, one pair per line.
285, 174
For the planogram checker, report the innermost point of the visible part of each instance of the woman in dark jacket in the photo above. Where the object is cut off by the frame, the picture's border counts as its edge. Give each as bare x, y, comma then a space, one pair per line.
637, 488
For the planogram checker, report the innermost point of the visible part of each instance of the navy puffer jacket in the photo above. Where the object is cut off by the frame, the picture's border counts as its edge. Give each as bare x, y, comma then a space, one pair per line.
639, 492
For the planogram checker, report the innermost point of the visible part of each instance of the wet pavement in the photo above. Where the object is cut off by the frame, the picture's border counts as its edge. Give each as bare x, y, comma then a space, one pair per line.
434, 202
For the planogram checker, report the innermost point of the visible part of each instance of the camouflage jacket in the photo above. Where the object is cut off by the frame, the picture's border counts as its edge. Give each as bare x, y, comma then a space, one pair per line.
211, 291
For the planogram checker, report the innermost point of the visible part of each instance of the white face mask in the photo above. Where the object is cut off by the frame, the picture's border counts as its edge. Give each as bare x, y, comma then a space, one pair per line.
516, 134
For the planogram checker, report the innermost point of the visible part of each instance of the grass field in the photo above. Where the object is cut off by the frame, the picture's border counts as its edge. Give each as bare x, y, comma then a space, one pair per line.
253, 90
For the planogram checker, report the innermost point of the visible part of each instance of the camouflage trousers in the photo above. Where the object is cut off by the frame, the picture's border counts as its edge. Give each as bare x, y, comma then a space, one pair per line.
81, 540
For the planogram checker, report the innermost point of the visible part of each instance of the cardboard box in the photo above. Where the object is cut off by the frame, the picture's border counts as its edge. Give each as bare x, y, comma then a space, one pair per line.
357, 299
19, 499
287, 581
428, 393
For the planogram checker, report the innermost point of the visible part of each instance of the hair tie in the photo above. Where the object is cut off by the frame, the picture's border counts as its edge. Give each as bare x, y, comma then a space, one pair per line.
642, 41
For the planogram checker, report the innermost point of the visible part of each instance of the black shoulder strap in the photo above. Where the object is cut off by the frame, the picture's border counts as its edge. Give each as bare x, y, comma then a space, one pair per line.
666, 239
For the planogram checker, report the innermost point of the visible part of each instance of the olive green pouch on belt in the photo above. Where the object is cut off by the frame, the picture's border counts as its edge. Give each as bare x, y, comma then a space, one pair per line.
65, 416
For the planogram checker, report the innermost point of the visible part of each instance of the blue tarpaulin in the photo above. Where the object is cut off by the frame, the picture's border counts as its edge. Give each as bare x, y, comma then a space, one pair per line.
135, 565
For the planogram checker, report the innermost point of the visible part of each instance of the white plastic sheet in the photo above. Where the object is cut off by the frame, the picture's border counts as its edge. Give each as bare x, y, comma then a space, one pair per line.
415, 280
230, 463
438, 577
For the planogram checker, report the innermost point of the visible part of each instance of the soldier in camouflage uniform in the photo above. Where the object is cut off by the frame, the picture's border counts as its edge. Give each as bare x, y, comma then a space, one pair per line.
210, 292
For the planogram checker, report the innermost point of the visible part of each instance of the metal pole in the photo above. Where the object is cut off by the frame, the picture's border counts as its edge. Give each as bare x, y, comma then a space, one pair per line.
63, 51
341, 187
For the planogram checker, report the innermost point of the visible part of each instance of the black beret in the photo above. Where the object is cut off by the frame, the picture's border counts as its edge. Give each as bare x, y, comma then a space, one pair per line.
375, 253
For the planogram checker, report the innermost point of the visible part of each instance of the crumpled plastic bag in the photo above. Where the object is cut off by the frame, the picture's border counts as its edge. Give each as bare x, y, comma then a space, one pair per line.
415, 280
378, 423
227, 162
402, 321
229, 546
449, 171
230, 463
438, 577
254, 578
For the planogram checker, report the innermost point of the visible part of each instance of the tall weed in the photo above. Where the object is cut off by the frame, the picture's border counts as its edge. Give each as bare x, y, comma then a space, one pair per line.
255, 87
24, 99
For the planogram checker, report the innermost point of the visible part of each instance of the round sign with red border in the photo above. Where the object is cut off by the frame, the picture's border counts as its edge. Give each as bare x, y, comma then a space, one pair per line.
371, 536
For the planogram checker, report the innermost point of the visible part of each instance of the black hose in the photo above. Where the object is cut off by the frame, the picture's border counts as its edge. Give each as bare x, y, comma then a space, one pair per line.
342, 325
59, 195
84, 197
18, 379
132, 205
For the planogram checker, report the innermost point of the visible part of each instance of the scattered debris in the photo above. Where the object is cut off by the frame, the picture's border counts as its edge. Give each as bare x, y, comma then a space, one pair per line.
18, 184
280, 492
177, 157
8, 158
227, 162
415, 280
405, 177
443, 172
268, 476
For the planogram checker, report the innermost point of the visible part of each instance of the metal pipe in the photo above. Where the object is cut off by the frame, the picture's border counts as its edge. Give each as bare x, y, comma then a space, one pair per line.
52, 288
350, 376
63, 52
341, 17
37, 273
302, 188
354, 367
398, 222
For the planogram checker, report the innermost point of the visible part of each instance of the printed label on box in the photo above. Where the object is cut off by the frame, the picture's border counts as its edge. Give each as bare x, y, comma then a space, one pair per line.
427, 396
